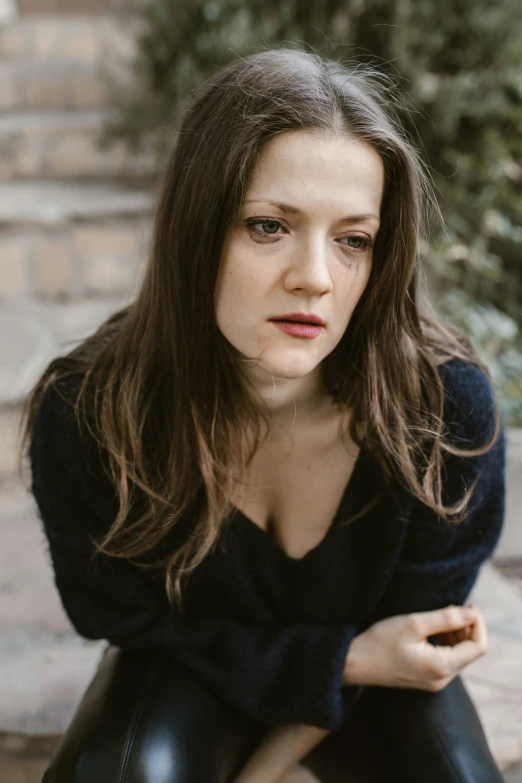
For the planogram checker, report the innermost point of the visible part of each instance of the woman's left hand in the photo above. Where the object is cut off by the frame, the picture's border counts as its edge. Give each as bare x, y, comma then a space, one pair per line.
451, 638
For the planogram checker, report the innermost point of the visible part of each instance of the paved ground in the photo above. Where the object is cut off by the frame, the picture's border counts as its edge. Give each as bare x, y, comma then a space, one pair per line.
514, 775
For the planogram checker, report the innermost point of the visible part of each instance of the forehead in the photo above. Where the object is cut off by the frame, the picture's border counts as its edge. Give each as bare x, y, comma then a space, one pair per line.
307, 165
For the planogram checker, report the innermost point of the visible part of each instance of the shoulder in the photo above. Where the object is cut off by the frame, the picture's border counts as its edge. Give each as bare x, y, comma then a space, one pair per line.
59, 443
470, 415
470, 403
55, 416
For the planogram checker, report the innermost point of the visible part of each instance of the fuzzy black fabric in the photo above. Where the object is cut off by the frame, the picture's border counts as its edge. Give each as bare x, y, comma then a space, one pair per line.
267, 632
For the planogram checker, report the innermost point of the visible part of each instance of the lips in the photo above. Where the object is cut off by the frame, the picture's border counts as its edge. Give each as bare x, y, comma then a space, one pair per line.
296, 321
304, 318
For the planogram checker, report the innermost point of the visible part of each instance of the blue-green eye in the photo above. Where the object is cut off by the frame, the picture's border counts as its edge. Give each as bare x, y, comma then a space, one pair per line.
365, 243
275, 224
270, 227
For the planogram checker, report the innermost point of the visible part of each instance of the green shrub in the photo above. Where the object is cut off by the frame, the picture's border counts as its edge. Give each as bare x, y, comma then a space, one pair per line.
460, 65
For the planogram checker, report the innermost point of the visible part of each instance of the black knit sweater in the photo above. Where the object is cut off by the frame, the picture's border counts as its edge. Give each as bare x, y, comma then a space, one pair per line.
265, 631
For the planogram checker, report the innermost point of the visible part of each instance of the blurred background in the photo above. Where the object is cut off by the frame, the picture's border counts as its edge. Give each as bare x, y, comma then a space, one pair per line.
88, 93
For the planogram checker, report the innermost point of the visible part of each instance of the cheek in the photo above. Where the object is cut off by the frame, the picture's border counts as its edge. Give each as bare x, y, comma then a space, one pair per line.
237, 292
352, 280
349, 286
245, 276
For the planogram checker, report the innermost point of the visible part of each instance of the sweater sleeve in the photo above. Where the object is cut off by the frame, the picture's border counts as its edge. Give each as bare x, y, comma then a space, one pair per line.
276, 673
440, 562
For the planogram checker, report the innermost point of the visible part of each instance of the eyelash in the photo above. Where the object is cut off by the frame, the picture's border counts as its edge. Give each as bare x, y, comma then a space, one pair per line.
256, 221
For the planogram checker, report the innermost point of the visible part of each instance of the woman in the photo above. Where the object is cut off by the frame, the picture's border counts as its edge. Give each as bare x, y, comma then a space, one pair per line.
278, 424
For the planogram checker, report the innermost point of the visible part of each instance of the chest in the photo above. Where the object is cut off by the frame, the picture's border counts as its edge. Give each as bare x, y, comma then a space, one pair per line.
292, 491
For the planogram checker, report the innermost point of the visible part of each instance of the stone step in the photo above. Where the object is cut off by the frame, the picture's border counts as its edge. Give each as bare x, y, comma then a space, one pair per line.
66, 39
69, 7
34, 333
8, 11
24, 759
510, 543
63, 241
33, 86
513, 773
65, 145
60, 6
50, 203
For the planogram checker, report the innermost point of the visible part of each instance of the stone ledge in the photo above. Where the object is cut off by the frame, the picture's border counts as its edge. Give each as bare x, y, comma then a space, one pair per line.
38, 332
50, 203
66, 145
33, 86
44, 675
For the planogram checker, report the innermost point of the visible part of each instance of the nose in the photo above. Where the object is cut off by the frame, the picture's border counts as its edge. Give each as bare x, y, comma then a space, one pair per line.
308, 266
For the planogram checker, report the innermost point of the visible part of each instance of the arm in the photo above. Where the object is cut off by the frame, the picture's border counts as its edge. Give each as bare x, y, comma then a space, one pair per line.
283, 747
439, 563
276, 673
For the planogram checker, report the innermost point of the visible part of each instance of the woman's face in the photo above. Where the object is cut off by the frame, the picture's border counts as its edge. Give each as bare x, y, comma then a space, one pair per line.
302, 242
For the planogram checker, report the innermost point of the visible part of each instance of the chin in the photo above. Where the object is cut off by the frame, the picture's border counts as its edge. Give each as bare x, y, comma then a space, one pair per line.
289, 368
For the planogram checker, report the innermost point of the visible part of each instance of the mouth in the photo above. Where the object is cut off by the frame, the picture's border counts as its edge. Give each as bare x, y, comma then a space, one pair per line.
294, 321
303, 318
299, 329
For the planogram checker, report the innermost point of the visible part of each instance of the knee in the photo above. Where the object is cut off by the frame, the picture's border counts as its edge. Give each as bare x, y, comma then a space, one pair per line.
146, 722
131, 730
147, 753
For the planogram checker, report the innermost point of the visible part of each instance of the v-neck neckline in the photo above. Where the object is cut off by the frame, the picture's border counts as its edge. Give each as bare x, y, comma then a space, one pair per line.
264, 536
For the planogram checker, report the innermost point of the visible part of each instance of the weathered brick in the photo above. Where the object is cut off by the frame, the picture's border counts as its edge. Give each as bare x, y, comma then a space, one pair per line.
42, 91
84, 92
97, 240
45, 40
8, 96
9, 442
79, 155
28, 160
111, 275
70, 156
59, 6
13, 41
53, 266
82, 45
13, 266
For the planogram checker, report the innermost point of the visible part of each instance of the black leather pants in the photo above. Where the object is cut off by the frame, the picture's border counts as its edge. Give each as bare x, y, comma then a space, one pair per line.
146, 719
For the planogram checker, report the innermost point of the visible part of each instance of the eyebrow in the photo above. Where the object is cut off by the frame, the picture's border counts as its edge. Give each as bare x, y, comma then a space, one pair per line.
295, 211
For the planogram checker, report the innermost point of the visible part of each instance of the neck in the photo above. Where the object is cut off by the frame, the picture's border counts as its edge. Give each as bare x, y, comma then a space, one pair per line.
294, 403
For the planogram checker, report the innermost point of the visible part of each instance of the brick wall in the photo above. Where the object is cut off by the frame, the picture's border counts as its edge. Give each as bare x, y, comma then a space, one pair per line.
58, 6
70, 6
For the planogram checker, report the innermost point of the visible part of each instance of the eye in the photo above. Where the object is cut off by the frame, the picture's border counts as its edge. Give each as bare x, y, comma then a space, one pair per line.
269, 226
365, 243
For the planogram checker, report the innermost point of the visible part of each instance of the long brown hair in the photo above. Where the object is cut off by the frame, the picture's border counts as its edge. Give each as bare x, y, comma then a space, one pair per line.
161, 364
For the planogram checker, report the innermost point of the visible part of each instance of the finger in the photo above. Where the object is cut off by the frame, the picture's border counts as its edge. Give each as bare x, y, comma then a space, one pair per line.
450, 618
448, 637
470, 649
454, 637
461, 635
